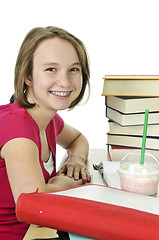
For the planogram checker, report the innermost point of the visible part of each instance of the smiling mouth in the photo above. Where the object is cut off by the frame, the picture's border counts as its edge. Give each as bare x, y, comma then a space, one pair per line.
61, 94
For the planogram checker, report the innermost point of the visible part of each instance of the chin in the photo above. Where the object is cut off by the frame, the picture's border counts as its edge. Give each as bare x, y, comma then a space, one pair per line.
61, 108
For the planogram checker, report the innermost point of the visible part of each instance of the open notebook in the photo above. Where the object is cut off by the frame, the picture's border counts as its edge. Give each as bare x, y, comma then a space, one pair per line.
94, 211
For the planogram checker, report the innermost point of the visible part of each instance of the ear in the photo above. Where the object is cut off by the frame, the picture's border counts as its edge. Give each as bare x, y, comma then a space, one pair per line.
28, 81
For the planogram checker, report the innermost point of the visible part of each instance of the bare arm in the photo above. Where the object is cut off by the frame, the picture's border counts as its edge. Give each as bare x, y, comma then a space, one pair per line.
24, 171
78, 148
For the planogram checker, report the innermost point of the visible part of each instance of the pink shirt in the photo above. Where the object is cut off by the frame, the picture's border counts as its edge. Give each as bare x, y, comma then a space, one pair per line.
16, 122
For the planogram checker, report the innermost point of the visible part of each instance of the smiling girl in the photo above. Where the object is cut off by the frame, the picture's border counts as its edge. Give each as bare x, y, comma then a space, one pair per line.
51, 74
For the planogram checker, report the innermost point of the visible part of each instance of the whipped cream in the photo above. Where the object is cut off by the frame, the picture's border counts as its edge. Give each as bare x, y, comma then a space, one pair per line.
138, 169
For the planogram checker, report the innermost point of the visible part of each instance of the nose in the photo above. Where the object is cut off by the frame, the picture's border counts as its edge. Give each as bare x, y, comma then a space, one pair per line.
63, 79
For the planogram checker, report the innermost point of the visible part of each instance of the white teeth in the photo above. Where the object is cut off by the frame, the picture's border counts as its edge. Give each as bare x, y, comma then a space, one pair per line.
61, 94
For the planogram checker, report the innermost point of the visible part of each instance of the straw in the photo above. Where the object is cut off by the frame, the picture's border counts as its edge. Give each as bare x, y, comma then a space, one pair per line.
144, 137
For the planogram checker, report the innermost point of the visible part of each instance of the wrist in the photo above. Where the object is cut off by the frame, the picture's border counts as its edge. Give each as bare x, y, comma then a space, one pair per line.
77, 157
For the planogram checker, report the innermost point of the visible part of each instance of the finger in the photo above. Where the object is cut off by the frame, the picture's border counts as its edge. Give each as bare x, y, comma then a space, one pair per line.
85, 175
88, 175
70, 171
62, 170
76, 173
50, 180
62, 174
81, 181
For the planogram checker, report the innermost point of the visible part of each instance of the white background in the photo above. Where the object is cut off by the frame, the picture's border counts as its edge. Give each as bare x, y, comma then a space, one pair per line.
121, 36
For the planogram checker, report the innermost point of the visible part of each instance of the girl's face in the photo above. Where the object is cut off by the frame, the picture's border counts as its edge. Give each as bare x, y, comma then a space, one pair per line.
56, 79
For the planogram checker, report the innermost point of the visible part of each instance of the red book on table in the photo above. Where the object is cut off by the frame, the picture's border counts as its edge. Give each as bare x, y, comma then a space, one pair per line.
93, 211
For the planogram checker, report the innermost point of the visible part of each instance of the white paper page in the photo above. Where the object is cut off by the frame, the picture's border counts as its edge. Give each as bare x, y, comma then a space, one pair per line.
111, 175
113, 196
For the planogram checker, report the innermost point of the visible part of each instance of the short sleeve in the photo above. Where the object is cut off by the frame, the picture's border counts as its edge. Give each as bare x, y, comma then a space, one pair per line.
16, 126
59, 124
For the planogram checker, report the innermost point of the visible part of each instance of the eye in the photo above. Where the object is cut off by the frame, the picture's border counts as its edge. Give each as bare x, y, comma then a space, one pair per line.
51, 69
75, 69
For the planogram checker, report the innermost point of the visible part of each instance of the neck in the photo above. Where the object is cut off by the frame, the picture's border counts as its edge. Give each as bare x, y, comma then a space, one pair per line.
40, 114
41, 117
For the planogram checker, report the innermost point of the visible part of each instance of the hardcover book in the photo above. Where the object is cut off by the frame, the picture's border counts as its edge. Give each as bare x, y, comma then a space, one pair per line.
114, 128
93, 211
131, 85
132, 104
116, 152
152, 143
131, 119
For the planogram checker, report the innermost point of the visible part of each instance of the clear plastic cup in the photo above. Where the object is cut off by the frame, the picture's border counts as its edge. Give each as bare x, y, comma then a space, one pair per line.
139, 178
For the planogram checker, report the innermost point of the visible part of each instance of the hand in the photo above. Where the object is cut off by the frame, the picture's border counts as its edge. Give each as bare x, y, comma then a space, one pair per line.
63, 182
76, 169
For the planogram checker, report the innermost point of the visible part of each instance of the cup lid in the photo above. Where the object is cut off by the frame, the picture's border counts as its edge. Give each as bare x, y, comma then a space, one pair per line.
130, 164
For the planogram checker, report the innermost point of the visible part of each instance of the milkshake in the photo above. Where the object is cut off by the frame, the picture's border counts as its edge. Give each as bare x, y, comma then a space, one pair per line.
139, 178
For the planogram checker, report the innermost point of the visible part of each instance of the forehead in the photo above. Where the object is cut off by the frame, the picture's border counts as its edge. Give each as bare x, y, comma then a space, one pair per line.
55, 50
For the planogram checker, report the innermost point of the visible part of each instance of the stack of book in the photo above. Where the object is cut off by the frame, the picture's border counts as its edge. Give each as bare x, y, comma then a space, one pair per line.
126, 98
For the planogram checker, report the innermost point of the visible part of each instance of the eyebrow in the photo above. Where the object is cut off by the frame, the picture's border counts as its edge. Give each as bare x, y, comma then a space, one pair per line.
77, 63
50, 64
57, 64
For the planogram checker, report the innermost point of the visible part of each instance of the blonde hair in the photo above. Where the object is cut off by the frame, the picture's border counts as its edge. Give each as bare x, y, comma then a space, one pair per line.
24, 63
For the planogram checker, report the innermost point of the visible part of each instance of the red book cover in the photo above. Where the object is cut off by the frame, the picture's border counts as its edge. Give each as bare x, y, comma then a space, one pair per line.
93, 211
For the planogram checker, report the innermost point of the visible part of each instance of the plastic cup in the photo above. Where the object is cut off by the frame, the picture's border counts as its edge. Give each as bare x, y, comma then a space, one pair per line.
139, 178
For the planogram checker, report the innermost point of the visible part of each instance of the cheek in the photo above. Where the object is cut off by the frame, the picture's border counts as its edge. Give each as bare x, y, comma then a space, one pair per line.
79, 83
40, 81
